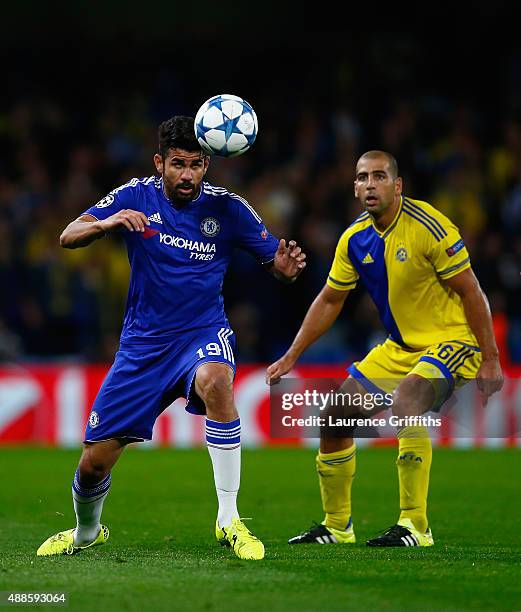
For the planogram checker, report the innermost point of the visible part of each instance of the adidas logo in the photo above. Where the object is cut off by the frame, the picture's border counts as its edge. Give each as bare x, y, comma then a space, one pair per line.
368, 259
409, 540
156, 218
326, 539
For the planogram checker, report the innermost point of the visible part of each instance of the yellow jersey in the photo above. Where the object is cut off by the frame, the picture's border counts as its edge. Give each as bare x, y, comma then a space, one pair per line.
403, 268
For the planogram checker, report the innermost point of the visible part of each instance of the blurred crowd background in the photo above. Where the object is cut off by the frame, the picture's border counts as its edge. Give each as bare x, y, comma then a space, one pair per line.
78, 120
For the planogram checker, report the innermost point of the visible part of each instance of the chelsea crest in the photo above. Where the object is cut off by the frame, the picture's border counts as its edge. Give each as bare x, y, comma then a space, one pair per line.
210, 227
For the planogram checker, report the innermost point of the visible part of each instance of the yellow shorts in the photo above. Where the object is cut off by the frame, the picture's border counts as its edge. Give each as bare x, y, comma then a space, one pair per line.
448, 365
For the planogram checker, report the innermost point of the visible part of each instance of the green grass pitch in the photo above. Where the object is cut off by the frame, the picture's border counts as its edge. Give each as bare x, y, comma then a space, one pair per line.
162, 554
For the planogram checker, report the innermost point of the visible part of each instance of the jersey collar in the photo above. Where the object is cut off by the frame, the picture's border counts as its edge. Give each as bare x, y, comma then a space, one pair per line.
393, 224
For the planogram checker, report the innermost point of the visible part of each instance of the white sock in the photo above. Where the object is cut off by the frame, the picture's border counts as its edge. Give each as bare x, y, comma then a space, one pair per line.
224, 446
88, 505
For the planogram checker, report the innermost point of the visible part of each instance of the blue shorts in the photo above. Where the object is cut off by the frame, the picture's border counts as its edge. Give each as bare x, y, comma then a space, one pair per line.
146, 378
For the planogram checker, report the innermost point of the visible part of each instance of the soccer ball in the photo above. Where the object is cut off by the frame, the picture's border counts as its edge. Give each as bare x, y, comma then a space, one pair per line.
226, 125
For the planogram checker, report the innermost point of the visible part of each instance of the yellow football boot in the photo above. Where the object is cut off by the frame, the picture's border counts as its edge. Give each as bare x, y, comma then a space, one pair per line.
62, 543
245, 545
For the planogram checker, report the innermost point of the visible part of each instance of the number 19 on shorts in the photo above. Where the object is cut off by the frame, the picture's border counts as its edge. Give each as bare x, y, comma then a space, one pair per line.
221, 348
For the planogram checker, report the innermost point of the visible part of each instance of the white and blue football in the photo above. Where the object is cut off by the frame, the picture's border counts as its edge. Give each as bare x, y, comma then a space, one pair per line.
226, 125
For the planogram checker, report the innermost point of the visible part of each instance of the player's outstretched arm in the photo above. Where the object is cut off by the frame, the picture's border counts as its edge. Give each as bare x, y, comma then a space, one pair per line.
477, 311
319, 318
87, 228
288, 262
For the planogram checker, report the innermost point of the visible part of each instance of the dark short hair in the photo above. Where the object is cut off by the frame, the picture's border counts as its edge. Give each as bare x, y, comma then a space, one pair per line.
178, 133
391, 160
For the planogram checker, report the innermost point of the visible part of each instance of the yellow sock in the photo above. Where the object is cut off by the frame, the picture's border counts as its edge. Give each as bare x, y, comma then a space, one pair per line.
414, 464
335, 474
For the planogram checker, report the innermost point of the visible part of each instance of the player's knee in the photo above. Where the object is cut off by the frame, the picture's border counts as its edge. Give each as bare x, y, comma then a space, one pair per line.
413, 397
92, 469
404, 405
214, 385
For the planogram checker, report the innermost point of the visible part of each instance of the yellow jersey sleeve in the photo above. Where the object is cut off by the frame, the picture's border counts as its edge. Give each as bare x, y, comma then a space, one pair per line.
449, 255
342, 275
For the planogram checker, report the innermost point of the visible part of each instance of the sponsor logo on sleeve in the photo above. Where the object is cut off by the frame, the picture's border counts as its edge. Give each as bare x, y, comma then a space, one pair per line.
457, 246
106, 201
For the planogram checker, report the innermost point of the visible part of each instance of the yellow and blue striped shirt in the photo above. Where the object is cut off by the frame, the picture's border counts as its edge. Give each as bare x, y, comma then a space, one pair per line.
403, 269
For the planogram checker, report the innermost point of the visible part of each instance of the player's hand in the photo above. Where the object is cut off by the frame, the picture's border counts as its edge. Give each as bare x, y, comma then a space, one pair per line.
132, 220
289, 260
276, 370
489, 378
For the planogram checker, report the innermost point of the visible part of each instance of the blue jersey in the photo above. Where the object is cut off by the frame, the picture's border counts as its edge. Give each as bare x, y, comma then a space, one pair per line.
178, 263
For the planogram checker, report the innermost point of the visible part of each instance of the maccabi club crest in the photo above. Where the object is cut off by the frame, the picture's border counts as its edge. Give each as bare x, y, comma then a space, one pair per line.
210, 227
401, 253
